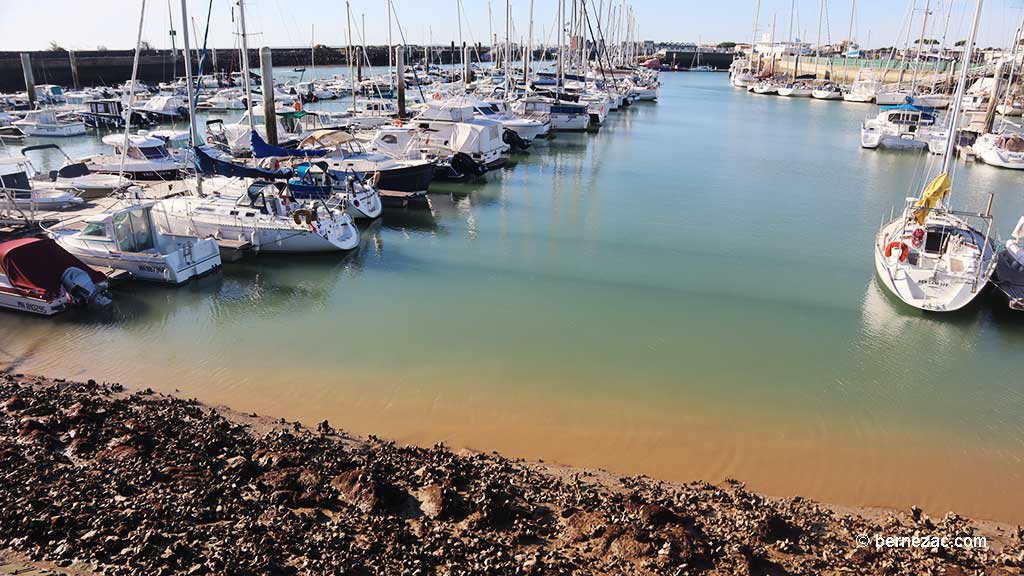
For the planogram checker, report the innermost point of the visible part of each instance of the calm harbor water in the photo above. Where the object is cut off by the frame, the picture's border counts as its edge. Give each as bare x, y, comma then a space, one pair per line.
688, 293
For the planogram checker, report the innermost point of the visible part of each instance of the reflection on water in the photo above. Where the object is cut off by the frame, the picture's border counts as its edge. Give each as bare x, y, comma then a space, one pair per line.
687, 293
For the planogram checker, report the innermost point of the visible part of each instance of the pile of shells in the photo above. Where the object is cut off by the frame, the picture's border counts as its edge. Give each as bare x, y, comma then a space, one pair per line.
145, 483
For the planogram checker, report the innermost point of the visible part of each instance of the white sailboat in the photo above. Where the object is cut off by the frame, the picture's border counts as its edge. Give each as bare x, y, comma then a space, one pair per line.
931, 257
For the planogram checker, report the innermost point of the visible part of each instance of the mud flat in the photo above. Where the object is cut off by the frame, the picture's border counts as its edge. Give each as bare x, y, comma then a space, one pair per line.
96, 478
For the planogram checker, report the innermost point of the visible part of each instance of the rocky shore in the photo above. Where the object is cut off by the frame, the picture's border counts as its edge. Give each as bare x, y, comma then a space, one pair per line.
94, 478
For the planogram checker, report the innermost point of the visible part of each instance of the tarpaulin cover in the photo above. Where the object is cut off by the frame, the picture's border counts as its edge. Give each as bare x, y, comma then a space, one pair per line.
35, 265
209, 164
260, 149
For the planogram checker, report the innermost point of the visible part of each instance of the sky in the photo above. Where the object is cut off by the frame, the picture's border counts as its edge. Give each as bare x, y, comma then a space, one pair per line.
87, 24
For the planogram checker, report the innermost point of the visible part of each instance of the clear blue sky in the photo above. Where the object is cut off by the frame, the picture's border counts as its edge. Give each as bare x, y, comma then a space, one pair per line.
86, 24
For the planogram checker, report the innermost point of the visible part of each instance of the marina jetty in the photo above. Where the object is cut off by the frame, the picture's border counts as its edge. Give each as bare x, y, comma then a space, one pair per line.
98, 67
97, 478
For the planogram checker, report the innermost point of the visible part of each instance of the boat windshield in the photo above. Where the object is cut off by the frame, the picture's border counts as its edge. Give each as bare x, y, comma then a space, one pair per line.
132, 231
154, 152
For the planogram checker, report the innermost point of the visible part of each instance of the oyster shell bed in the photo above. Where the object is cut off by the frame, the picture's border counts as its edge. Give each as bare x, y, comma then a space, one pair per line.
94, 478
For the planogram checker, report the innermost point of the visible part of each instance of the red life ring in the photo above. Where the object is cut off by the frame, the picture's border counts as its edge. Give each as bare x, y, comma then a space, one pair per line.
904, 250
437, 95
298, 105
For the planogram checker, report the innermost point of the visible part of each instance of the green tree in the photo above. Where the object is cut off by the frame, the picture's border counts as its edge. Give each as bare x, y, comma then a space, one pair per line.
726, 44
54, 47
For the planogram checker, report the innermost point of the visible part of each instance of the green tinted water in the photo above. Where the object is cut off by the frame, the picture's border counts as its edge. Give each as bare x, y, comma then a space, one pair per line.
688, 293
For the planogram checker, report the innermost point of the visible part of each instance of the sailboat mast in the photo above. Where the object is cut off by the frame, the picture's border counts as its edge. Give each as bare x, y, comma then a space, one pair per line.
351, 75
817, 49
954, 113
529, 52
245, 65
753, 35
391, 47
173, 34
849, 42
312, 50
193, 134
920, 46
561, 38
131, 95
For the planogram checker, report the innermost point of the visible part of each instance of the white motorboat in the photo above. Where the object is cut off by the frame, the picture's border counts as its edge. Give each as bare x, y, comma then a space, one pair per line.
1002, 150
47, 122
223, 100
528, 129
892, 96
901, 126
19, 192
935, 101
165, 108
40, 277
931, 257
453, 125
73, 177
147, 158
565, 116
262, 213
8, 131
129, 238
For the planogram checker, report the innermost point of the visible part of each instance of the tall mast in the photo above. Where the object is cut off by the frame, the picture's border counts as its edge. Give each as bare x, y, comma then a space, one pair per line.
131, 95
954, 114
508, 49
312, 51
174, 49
849, 42
391, 48
561, 33
351, 74
193, 134
920, 46
528, 57
245, 65
753, 35
817, 49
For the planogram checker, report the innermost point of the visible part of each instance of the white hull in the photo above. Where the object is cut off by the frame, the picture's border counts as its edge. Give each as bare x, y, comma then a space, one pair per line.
891, 98
570, 121
52, 130
365, 205
927, 287
33, 305
795, 92
153, 267
827, 94
855, 97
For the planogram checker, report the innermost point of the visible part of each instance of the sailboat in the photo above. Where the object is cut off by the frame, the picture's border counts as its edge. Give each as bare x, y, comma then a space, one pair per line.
931, 257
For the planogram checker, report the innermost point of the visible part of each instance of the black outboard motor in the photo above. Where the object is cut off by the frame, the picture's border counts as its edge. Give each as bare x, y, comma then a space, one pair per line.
82, 289
513, 139
464, 165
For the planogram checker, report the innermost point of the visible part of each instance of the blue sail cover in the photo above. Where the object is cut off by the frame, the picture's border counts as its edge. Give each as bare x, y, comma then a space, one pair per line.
907, 107
260, 149
210, 161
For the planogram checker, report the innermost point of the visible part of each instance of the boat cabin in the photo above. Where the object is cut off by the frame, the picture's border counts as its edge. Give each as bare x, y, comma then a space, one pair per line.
128, 230
909, 118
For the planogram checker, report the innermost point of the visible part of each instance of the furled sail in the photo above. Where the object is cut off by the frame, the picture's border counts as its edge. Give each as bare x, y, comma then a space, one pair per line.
260, 149
932, 194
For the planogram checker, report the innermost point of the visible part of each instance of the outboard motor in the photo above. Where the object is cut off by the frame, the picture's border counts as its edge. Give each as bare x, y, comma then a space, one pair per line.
513, 139
82, 289
466, 166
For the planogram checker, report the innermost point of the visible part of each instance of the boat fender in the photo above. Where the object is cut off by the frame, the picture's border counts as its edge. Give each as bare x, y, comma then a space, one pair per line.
376, 179
904, 251
464, 165
917, 238
298, 105
303, 213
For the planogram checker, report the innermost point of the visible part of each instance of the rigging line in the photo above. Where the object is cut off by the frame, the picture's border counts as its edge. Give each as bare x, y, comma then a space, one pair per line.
401, 32
131, 96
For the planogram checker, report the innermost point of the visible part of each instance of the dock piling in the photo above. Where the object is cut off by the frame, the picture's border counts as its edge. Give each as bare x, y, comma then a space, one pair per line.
30, 81
267, 74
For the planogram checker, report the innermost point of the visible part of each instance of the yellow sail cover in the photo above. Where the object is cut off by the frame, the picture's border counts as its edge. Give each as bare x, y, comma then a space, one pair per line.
936, 190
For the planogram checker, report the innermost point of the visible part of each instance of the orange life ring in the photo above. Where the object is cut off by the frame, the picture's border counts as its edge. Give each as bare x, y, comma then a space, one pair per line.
398, 122
904, 250
298, 105
437, 95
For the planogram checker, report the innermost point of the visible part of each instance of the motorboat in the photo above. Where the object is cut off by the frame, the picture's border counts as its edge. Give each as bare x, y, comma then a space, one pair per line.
46, 122
525, 128
165, 108
892, 95
827, 91
259, 212
227, 99
40, 277
1005, 150
73, 177
147, 158
131, 239
8, 131
235, 138
931, 257
453, 125
19, 192
109, 113
316, 181
563, 116
1009, 274
935, 100
901, 126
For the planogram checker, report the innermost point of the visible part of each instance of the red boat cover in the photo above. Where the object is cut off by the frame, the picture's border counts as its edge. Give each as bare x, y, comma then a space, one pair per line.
35, 265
